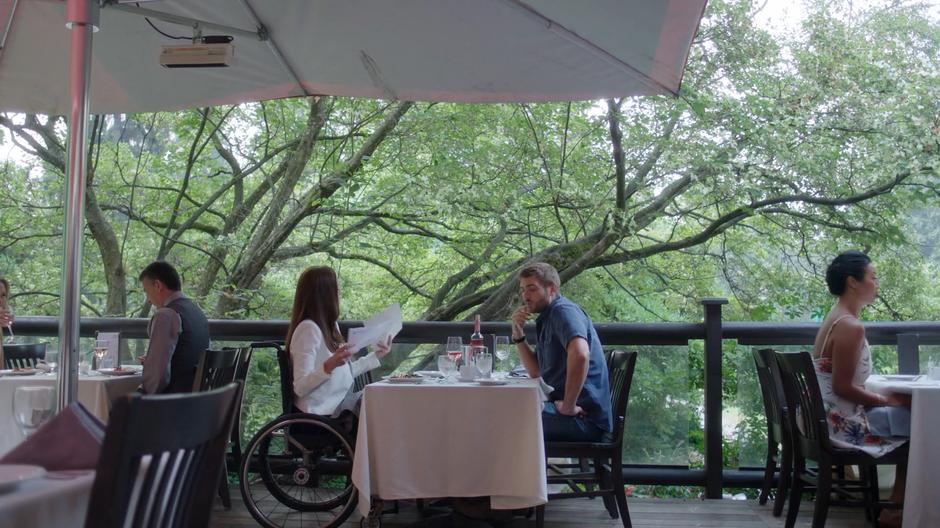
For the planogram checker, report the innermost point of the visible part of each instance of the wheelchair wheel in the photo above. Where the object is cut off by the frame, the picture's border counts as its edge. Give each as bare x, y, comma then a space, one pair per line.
297, 471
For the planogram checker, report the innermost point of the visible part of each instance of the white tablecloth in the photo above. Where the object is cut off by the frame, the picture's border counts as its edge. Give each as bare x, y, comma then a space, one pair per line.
47, 503
454, 440
96, 393
922, 488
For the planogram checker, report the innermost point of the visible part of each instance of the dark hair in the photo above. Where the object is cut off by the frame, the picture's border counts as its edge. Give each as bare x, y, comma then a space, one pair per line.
6, 285
852, 263
164, 272
317, 299
544, 272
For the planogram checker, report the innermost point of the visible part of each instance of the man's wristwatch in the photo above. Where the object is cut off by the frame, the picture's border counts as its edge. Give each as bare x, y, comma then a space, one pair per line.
519, 339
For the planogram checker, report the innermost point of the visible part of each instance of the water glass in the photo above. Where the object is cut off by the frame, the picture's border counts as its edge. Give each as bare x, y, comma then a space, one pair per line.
484, 363
933, 369
447, 366
32, 406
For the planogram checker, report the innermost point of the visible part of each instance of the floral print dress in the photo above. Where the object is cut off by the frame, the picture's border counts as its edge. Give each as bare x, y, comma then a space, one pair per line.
848, 423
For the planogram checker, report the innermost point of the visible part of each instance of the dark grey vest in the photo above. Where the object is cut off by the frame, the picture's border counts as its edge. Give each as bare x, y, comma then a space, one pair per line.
191, 345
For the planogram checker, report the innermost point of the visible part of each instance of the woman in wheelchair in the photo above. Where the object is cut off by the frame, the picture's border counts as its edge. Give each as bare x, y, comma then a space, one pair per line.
323, 372
297, 469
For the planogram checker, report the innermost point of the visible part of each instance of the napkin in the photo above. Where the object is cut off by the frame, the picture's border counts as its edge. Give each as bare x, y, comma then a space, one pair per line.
70, 440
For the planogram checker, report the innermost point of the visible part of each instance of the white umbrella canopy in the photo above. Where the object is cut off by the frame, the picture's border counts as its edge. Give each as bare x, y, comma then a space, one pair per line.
421, 50
432, 50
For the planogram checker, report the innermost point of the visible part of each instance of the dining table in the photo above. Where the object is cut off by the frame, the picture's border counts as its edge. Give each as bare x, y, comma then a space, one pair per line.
922, 489
430, 437
52, 500
96, 391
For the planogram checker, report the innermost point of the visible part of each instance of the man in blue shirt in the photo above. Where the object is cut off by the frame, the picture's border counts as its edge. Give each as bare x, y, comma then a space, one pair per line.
568, 356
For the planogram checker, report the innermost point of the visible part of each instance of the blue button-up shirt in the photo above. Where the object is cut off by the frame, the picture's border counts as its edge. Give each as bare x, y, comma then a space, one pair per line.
556, 326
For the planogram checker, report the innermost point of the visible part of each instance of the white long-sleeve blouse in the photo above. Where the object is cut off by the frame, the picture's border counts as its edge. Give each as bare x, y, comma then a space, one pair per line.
315, 391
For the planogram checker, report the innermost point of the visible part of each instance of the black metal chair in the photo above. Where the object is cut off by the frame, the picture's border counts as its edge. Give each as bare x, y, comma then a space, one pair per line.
23, 356
606, 478
160, 460
779, 447
218, 368
810, 433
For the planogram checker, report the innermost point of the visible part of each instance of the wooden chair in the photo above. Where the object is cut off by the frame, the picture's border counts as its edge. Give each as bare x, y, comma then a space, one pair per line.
23, 356
810, 437
607, 474
160, 460
218, 368
779, 447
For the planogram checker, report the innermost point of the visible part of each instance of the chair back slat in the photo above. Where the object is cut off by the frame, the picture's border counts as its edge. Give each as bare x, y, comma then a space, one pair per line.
216, 369
620, 365
161, 459
24, 355
360, 382
771, 389
805, 411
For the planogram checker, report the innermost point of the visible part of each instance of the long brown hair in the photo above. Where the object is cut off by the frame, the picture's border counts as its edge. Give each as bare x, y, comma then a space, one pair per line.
317, 299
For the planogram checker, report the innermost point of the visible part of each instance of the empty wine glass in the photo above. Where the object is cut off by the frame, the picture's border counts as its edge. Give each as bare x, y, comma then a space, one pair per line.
32, 406
501, 348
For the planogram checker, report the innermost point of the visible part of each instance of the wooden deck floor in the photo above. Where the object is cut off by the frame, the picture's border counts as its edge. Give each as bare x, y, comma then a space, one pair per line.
645, 513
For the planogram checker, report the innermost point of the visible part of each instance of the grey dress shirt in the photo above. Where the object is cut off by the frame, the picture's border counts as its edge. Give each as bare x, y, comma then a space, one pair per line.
164, 330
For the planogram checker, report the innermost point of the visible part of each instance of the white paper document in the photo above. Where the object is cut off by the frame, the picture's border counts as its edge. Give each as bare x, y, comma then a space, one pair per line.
379, 328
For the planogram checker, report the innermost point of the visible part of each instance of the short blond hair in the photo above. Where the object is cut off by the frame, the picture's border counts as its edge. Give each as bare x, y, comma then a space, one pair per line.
543, 271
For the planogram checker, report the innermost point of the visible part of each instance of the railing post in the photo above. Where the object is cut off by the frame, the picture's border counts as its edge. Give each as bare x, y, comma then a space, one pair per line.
713, 458
909, 353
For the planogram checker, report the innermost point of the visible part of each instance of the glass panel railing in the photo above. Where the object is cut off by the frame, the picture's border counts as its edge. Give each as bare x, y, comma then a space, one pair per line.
661, 408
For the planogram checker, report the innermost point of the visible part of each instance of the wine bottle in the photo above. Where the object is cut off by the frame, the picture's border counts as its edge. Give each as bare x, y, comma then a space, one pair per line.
476, 338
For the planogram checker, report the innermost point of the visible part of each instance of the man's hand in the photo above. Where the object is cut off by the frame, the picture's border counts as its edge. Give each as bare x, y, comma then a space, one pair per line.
574, 410
382, 348
518, 319
339, 357
141, 359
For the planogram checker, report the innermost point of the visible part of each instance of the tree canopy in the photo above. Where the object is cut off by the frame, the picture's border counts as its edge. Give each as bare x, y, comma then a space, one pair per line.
778, 153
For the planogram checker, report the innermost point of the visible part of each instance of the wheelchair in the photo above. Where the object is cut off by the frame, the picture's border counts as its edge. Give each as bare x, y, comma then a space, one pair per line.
297, 469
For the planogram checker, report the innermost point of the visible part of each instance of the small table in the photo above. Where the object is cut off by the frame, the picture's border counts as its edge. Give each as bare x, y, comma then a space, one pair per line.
46, 502
921, 507
439, 439
96, 393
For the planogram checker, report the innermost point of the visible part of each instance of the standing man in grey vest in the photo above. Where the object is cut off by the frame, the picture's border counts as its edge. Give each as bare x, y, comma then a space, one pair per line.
179, 332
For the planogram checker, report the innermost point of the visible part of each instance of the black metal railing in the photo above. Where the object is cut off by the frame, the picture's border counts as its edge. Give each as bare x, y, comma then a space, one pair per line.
713, 331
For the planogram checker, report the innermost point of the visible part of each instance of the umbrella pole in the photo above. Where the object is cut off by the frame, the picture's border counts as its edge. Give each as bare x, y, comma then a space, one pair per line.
82, 21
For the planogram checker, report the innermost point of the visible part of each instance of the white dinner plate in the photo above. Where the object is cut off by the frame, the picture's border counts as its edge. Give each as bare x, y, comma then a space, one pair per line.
491, 382
115, 372
429, 373
414, 379
901, 377
22, 372
12, 474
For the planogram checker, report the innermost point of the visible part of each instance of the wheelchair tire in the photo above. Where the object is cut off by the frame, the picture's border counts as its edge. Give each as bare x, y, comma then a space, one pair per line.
297, 471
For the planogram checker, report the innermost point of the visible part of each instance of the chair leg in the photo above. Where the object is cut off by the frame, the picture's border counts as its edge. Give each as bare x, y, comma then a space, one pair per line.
783, 481
223, 488
604, 483
769, 467
823, 489
540, 516
796, 490
616, 477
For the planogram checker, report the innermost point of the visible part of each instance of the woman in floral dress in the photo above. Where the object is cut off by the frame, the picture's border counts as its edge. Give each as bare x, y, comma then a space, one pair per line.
858, 418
